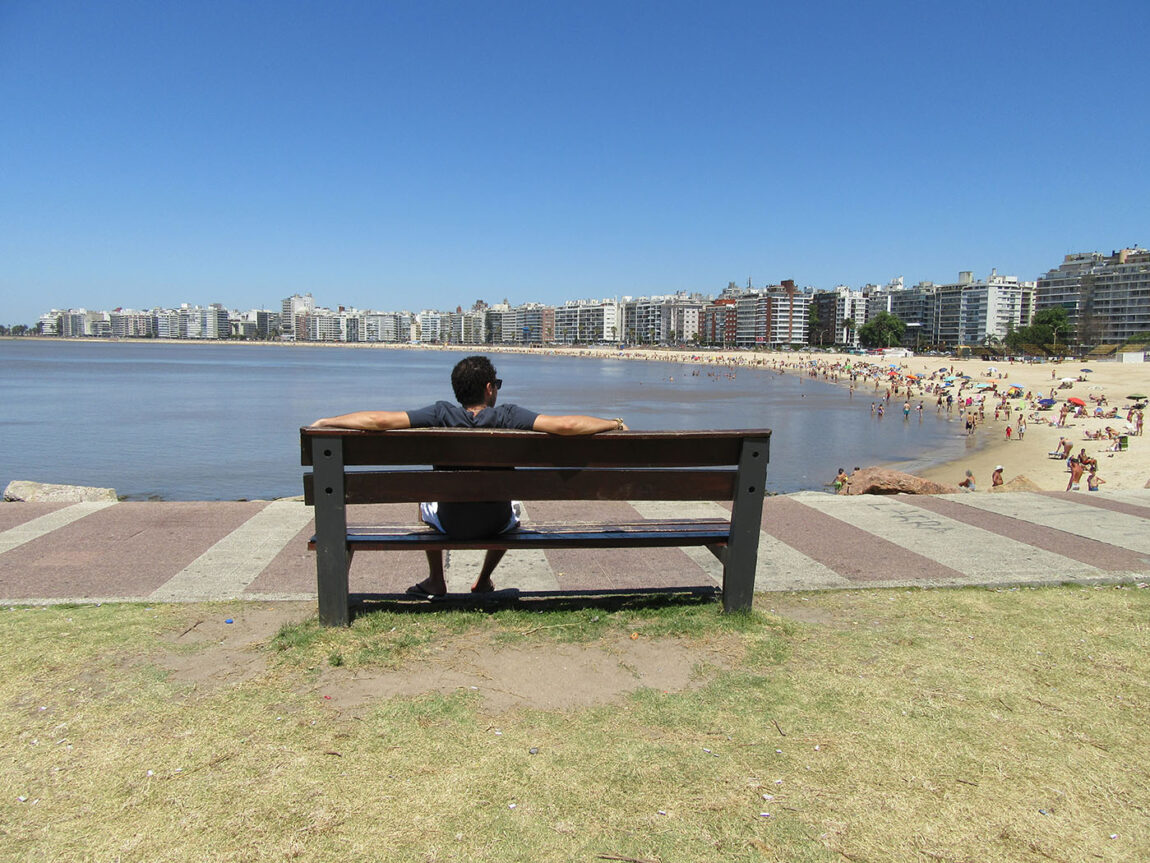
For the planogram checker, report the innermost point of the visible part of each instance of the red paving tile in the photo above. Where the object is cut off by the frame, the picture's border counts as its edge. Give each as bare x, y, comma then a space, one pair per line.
13, 514
290, 571
1106, 557
1101, 502
853, 553
128, 549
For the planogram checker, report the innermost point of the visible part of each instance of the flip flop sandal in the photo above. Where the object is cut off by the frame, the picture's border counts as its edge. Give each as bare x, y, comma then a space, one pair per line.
421, 592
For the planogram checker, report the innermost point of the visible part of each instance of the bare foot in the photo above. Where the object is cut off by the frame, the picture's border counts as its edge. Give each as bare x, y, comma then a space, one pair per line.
483, 585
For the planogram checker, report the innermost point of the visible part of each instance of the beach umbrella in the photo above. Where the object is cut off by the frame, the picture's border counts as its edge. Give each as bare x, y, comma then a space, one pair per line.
1074, 400
1067, 380
1088, 371
1137, 397
1016, 387
1046, 402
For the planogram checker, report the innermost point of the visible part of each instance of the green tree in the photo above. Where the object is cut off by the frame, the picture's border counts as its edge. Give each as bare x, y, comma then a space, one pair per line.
884, 330
813, 324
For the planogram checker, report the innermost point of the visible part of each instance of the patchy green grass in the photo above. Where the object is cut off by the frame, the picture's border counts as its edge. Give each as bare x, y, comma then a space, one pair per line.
950, 725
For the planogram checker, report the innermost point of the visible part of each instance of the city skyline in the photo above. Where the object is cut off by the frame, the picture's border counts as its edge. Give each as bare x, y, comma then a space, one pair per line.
372, 154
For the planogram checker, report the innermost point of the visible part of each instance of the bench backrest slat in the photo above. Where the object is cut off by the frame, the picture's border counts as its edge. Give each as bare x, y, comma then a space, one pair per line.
532, 484
503, 448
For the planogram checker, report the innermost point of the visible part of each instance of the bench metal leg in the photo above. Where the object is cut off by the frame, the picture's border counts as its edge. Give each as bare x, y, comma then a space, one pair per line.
332, 558
746, 520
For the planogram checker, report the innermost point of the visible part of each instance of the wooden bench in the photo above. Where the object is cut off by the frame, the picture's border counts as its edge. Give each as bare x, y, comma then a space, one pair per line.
627, 465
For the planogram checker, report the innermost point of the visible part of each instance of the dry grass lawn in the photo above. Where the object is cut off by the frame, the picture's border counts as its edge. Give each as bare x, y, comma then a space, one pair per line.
948, 725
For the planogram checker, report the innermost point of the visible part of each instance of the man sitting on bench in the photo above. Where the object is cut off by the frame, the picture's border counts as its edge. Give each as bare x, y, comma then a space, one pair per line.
476, 388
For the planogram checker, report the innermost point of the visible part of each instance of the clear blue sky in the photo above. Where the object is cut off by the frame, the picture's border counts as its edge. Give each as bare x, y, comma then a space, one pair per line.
427, 154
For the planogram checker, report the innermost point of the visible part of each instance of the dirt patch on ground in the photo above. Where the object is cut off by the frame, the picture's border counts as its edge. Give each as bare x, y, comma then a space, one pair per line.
546, 676
543, 676
232, 640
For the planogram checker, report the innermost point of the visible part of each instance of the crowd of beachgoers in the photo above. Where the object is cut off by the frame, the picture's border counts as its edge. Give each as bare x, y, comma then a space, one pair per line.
1049, 421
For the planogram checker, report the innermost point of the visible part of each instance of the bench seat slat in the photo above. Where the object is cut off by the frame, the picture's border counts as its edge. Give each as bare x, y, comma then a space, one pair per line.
507, 448
644, 534
534, 484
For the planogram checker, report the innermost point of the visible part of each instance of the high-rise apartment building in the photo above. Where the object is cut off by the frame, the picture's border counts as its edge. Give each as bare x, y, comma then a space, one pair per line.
1106, 297
587, 321
293, 307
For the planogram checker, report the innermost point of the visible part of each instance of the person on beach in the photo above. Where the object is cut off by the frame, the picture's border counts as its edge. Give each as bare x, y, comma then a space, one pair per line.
476, 388
841, 481
996, 477
968, 482
1076, 471
1093, 480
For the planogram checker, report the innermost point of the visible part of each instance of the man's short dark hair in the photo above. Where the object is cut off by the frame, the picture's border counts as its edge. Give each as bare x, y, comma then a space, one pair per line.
469, 379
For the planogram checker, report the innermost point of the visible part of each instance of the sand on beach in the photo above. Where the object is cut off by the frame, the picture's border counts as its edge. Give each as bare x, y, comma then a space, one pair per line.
1129, 469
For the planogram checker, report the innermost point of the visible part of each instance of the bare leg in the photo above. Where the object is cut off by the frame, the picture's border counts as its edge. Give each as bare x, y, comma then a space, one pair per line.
491, 560
434, 583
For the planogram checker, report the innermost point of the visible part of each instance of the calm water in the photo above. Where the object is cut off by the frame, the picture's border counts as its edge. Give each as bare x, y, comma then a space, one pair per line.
219, 421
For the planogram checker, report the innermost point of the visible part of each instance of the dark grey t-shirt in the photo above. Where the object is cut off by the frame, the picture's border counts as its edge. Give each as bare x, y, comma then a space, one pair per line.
451, 415
473, 520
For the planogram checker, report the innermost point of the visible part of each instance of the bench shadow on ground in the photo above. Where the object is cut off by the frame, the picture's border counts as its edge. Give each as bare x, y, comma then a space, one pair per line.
538, 600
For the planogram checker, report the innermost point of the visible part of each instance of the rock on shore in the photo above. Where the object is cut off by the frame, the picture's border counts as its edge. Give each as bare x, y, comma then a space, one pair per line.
1019, 483
881, 480
46, 492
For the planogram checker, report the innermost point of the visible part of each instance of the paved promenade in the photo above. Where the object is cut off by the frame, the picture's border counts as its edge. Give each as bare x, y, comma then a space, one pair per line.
192, 551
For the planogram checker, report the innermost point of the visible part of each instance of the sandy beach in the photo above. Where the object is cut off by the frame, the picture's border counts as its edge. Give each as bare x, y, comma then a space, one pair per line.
1028, 457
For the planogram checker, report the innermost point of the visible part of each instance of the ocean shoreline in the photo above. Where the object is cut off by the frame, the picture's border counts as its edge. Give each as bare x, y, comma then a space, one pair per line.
1129, 469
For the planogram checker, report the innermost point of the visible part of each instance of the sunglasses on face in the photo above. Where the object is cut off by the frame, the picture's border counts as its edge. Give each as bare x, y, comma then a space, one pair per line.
498, 383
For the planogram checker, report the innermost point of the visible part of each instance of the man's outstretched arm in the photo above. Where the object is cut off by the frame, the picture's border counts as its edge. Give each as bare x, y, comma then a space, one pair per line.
576, 424
366, 421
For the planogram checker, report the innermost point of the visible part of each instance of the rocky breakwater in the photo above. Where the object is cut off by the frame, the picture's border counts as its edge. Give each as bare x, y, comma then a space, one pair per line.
45, 492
